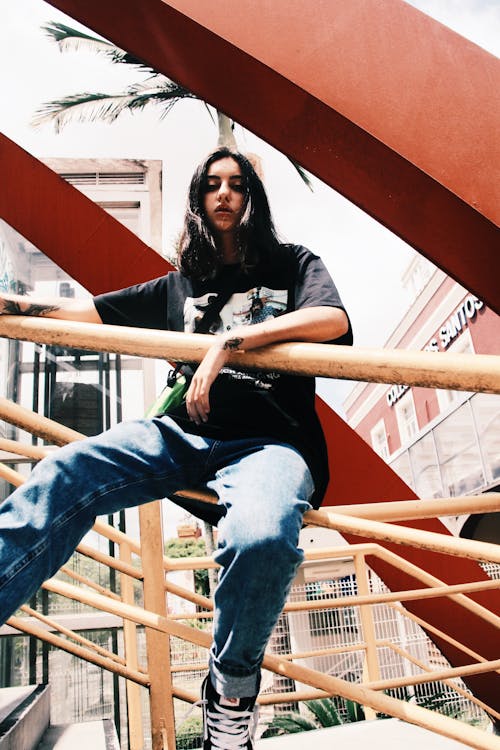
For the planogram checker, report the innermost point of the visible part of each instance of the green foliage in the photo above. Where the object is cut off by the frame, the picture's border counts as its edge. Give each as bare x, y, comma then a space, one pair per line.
354, 712
189, 733
289, 724
324, 713
191, 548
185, 547
68, 38
445, 702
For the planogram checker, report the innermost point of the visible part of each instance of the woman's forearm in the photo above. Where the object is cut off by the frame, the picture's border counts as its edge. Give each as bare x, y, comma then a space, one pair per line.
314, 324
63, 308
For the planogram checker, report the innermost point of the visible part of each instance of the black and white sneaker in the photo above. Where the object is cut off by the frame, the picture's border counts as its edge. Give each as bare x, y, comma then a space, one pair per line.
228, 723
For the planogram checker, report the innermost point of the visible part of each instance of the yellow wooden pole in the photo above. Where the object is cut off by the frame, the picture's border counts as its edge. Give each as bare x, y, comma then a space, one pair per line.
429, 580
24, 625
135, 726
110, 561
88, 582
10, 475
425, 668
408, 510
36, 424
157, 642
370, 668
440, 633
23, 449
438, 675
396, 596
480, 372
54, 625
448, 545
382, 703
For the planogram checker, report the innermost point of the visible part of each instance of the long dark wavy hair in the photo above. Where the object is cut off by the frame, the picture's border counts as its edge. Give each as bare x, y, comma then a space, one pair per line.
198, 255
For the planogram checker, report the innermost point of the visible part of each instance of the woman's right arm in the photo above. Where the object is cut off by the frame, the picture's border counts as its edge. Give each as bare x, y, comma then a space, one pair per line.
63, 308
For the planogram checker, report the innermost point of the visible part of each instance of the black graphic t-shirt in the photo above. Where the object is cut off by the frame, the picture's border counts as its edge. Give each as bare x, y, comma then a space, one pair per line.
243, 403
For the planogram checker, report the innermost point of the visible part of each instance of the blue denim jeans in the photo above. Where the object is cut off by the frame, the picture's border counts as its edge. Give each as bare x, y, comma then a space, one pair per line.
264, 488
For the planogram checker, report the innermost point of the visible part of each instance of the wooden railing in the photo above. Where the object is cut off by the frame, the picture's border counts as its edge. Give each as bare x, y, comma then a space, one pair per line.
466, 372
374, 521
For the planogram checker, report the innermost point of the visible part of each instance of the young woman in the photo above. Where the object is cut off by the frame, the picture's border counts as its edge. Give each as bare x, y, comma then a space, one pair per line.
252, 437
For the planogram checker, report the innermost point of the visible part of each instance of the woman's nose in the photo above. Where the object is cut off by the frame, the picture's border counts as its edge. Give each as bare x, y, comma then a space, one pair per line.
223, 189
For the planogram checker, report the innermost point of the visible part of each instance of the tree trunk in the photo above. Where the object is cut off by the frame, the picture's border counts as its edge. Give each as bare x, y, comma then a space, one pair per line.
210, 545
226, 134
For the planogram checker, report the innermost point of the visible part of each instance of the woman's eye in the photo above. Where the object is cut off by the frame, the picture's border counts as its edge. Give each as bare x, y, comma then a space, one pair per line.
210, 187
237, 188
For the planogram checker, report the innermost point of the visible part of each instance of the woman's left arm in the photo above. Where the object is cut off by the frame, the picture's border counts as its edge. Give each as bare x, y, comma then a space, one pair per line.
314, 324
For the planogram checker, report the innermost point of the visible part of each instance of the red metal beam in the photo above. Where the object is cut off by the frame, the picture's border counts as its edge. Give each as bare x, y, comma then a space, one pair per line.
89, 244
392, 109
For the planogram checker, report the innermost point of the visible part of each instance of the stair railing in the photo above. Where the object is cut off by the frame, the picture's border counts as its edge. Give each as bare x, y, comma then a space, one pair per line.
373, 521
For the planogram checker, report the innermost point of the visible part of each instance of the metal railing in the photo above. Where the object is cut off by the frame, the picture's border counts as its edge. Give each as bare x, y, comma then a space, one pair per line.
375, 521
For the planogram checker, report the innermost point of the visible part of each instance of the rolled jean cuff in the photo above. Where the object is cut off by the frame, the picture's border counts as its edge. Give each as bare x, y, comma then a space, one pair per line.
233, 686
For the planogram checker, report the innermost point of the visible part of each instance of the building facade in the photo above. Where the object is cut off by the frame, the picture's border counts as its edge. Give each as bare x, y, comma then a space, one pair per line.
443, 443
89, 392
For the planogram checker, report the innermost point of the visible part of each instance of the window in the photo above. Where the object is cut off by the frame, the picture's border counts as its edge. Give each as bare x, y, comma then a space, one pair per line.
401, 465
463, 345
417, 275
458, 453
379, 439
127, 213
104, 178
338, 620
486, 411
425, 465
407, 418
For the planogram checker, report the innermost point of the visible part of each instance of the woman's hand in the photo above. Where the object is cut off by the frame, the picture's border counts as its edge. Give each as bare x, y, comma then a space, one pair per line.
308, 324
198, 394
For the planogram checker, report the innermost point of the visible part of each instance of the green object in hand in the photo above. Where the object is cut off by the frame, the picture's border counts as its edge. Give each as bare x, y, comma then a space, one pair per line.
171, 396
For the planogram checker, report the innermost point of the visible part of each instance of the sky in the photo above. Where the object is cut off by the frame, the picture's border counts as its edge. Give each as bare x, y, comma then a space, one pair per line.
365, 259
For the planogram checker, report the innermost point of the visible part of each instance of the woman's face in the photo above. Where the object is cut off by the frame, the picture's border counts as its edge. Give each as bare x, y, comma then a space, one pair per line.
224, 198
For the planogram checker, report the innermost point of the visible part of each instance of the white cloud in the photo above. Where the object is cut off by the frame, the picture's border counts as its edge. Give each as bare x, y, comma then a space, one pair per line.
477, 20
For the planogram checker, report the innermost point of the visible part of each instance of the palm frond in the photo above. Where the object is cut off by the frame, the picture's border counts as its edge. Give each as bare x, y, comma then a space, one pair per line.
289, 724
302, 174
69, 39
85, 107
325, 712
160, 86
89, 107
209, 112
355, 712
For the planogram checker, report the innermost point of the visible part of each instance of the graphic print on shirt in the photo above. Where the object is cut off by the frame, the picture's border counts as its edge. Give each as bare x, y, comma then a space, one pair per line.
243, 308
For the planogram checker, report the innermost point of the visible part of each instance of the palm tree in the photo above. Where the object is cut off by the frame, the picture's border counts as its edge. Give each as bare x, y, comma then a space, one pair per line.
322, 713
154, 89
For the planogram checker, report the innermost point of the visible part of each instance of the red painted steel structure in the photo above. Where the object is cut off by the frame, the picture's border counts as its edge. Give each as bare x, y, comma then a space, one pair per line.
78, 235
367, 144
